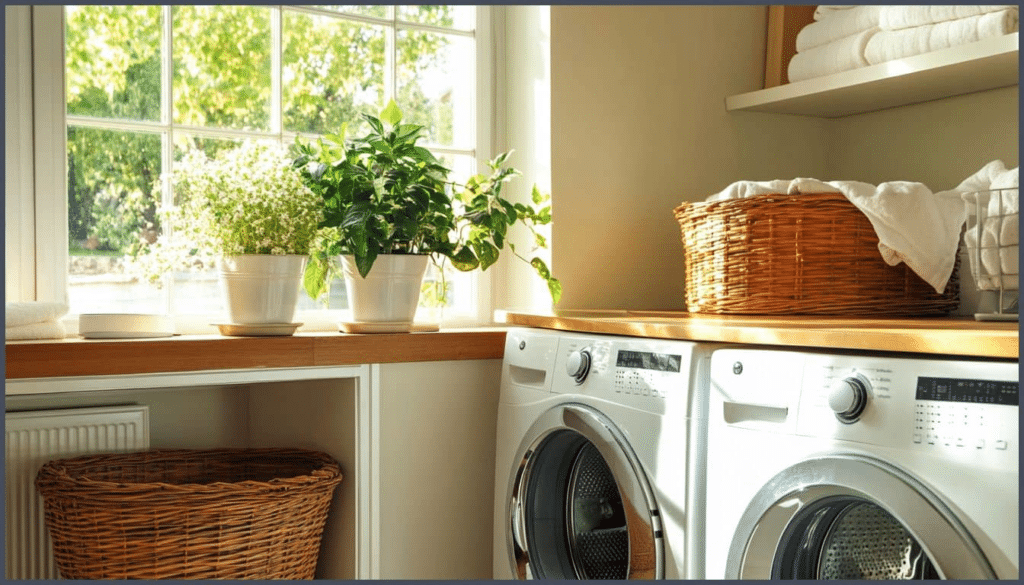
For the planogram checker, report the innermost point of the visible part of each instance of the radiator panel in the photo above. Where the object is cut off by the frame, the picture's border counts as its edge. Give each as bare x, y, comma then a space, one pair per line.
32, 439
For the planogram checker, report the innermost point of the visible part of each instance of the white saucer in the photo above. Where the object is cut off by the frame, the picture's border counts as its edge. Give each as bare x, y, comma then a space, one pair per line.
257, 330
385, 327
124, 325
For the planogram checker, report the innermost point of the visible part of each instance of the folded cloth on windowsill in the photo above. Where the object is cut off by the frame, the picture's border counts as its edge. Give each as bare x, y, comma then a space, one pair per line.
888, 45
29, 312
44, 330
901, 17
842, 23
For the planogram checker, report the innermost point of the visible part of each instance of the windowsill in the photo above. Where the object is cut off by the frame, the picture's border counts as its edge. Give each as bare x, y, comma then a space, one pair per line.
74, 356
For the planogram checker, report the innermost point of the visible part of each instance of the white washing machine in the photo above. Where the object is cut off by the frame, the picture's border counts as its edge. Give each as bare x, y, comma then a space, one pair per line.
861, 467
600, 445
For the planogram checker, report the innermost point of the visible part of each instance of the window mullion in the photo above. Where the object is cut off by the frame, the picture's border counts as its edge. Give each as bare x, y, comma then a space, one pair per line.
167, 136
391, 59
276, 62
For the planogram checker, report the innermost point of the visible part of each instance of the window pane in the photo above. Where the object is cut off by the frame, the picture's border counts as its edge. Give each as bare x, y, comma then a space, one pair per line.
436, 84
113, 190
222, 66
113, 61
376, 11
460, 17
333, 70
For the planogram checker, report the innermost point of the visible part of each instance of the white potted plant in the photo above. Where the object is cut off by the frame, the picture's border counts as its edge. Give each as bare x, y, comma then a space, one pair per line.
389, 208
247, 211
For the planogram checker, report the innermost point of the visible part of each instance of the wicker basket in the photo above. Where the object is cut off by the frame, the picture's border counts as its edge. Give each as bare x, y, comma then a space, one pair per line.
808, 254
188, 514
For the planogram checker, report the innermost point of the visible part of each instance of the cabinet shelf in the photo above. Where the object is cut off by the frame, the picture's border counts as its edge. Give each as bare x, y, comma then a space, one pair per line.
986, 64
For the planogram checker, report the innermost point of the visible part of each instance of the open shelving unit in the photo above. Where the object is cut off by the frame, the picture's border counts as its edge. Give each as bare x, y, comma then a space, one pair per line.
988, 64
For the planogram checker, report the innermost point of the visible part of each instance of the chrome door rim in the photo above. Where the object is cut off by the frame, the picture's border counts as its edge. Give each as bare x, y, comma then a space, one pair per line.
634, 489
926, 518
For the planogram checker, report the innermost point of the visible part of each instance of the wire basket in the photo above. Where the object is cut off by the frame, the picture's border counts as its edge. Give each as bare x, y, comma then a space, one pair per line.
992, 243
806, 254
188, 514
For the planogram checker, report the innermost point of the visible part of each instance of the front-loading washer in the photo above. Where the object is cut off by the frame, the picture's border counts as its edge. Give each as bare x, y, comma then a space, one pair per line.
600, 456
847, 466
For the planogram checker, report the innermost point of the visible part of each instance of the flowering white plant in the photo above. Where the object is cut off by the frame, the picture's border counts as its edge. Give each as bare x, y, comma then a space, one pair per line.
247, 200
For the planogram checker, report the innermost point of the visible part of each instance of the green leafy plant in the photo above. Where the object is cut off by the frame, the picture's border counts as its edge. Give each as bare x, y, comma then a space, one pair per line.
384, 194
246, 200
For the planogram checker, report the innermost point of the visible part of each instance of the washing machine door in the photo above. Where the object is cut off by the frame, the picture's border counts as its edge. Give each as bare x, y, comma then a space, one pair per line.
579, 503
851, 517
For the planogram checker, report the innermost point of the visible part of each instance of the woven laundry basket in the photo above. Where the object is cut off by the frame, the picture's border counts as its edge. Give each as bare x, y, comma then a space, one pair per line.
806, 254
188, 514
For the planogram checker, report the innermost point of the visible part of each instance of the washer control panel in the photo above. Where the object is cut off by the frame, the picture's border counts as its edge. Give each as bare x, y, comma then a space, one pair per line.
962, 413
945, 407
646, 373
640, 372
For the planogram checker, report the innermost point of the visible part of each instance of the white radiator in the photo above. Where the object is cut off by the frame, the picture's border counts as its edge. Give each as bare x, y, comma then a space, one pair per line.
35, 437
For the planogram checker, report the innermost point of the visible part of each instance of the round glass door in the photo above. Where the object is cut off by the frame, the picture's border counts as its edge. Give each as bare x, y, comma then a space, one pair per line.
850, 539
848, 516
579, 509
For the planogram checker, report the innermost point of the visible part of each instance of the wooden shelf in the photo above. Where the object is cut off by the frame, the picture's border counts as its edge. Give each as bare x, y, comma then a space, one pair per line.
987, 64
935, 336
191, 353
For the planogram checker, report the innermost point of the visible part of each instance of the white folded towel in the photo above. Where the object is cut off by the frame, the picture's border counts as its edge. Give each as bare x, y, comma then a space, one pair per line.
994, 198
900, 17
889, 45
840, 24
29, 312
43, 330
823, 11
741, 189
840, 55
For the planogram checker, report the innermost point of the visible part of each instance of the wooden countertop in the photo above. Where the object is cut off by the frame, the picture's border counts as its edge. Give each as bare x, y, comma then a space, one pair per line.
75, 356
191, 353
946, 336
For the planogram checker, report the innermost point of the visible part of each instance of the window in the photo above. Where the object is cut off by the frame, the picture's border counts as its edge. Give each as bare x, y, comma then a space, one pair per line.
143, 83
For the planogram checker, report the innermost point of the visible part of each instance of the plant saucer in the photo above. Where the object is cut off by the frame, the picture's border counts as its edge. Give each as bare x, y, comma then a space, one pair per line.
257, 329
386, 327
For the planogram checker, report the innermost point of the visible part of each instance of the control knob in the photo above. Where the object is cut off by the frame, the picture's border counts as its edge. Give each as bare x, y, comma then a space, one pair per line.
848, 397
578, 365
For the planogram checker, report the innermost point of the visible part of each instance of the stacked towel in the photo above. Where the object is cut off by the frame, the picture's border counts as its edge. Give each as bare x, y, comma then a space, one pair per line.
994, 199
837, 25
897, 43
834, 42
34, 320
844, 37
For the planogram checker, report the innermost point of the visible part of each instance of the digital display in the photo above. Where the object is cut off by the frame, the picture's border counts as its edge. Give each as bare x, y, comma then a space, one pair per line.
660, 362
969, 391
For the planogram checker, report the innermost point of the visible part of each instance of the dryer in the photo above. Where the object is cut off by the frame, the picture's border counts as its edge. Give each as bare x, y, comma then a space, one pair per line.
837, 465
600, 456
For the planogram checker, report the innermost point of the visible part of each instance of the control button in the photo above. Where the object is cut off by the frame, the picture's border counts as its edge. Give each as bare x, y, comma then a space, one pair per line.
917, 437
578, 365
1001, 445
847, 398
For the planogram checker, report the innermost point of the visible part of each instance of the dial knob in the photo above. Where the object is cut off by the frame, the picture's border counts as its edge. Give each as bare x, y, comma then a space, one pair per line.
848, 397
578, 365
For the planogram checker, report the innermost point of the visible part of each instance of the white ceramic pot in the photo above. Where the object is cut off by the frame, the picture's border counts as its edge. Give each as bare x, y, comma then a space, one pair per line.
261, 288
390, 293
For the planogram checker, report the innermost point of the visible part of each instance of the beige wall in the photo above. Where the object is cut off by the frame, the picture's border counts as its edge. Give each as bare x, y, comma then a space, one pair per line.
638, 124
938, 143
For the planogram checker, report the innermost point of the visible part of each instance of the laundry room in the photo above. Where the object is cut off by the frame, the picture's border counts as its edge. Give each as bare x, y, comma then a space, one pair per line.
569, 292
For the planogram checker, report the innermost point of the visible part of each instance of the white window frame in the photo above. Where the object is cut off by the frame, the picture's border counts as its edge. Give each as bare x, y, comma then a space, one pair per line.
36, 175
